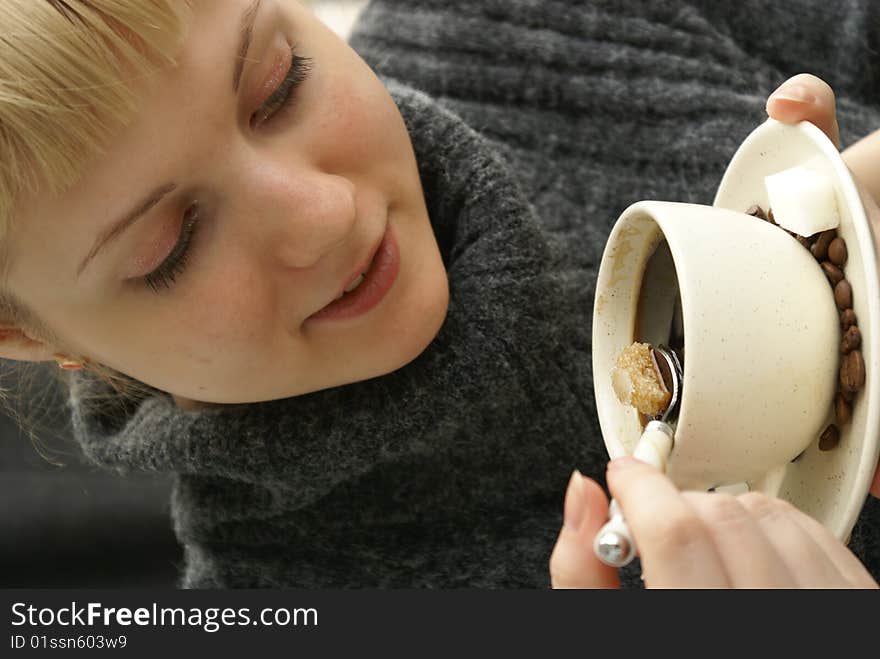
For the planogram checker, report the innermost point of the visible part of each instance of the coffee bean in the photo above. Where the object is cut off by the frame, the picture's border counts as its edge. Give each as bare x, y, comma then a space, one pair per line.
837, 251
830, 438
852, 371
857, 368
803, 240
842, 409
820, 247
848, 396
770, 218
852, 339
843, 294
756, 211
832, 272
847, 319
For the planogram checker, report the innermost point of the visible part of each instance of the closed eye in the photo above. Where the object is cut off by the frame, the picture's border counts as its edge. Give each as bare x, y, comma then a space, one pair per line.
281, 99
164, 275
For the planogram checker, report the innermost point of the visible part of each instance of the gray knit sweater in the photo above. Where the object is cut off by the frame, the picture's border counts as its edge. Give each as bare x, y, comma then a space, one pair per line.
534, 124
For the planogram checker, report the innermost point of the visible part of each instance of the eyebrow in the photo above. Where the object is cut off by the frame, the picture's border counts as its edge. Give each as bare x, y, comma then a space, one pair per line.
113, 232
143, 207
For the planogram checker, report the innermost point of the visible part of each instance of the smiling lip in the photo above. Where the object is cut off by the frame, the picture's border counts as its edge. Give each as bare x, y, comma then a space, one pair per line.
384, 265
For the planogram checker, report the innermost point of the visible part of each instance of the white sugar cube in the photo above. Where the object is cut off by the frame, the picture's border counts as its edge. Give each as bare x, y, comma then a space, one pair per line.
802, 200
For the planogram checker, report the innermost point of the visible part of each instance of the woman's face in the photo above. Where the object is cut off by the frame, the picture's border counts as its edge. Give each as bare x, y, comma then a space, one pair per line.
250, 202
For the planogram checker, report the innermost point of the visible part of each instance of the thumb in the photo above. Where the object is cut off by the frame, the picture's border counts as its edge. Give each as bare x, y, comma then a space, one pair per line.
875, 484
805, 97
573, 563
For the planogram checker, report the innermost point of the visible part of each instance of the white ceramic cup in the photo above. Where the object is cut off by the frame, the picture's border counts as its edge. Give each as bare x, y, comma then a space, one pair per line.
760, 329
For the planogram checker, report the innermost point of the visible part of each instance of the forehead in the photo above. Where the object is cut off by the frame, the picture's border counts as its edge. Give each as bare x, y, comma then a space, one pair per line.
192, 101
175, 105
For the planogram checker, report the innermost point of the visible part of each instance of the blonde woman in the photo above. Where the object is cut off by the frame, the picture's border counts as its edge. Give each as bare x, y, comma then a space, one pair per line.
343, 294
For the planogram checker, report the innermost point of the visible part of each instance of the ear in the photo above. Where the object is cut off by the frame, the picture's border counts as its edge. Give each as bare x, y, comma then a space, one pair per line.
16, 344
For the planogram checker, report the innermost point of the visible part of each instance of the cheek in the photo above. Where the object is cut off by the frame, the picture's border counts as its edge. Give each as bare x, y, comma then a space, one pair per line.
359, 125
233, 320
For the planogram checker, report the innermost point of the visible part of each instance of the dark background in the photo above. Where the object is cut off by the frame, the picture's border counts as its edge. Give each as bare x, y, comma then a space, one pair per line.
75, 525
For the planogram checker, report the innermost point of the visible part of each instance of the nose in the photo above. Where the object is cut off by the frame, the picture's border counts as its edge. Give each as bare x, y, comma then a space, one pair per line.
300, 215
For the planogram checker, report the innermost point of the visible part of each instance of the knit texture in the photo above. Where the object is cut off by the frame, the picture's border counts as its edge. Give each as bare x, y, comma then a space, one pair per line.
537, 122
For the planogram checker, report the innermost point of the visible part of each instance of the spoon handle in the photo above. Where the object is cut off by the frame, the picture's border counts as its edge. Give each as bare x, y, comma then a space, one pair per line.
614, 544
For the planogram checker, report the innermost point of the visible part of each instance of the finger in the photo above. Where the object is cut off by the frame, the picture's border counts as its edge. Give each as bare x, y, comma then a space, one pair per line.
875, 484
844, 560
675, 547
573, 563
750, 560
810, 566
805, 97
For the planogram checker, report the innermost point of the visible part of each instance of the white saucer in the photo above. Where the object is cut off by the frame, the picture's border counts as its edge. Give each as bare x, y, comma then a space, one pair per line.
830, 486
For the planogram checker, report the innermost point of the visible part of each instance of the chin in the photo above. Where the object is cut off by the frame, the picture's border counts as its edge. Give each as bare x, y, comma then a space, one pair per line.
413, 338
428, 317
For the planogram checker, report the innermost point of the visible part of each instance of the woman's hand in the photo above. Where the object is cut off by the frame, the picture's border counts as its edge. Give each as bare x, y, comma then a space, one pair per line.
699, 539
805, 97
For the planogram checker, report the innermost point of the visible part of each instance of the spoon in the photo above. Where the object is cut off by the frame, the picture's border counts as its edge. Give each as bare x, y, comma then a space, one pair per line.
614, 544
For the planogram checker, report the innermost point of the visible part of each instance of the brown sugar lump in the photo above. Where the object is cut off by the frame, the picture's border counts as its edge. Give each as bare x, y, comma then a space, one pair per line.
637, 380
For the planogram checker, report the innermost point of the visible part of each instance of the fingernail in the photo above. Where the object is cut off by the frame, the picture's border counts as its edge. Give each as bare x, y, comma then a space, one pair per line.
796, 93
575, 508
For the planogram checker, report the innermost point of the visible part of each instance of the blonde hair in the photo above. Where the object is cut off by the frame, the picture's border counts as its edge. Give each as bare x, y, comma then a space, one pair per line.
66, 74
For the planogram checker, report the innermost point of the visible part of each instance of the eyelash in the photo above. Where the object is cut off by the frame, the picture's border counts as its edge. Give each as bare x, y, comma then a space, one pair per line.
174, 264
273, 108
279, 100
